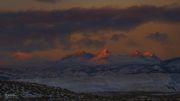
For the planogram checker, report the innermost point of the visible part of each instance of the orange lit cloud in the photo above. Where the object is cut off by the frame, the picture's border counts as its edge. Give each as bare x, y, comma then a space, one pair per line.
52, 54
20, 55
51, 35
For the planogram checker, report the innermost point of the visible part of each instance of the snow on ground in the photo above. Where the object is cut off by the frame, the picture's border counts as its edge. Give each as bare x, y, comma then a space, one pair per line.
157, 82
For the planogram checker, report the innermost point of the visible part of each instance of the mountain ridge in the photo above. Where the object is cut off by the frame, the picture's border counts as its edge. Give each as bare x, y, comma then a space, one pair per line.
84, 72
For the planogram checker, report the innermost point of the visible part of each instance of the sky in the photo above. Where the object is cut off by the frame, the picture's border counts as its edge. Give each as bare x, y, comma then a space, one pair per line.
51, 29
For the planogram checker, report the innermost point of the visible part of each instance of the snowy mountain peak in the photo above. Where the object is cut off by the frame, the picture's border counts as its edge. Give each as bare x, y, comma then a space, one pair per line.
103, 53
145, 54
149, 54
81, 57
104, 57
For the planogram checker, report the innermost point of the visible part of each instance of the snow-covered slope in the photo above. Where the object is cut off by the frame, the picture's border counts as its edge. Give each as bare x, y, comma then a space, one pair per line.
172, 65
116, 73
110, 82
86, 72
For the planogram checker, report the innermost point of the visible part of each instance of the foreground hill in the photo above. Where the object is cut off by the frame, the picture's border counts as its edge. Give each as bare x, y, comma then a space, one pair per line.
24, 91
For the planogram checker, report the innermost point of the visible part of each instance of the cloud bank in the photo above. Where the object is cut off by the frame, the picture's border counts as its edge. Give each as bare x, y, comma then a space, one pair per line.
41, 30
158, 36
49, 1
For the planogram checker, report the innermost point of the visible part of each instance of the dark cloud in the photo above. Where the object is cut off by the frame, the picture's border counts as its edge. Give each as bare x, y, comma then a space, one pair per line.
87, 19
16, 28
117, 37
158, 36
90, 43
48, 1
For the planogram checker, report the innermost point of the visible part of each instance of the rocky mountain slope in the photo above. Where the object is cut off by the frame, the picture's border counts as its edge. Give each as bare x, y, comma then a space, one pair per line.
25, 89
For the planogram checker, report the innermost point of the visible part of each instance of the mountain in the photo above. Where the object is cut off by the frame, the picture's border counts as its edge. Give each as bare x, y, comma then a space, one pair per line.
172, 65
102, 71
104, 57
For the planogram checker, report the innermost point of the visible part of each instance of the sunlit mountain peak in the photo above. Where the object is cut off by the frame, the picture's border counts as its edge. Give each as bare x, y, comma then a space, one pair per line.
148, 54
103, 53
145, 54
